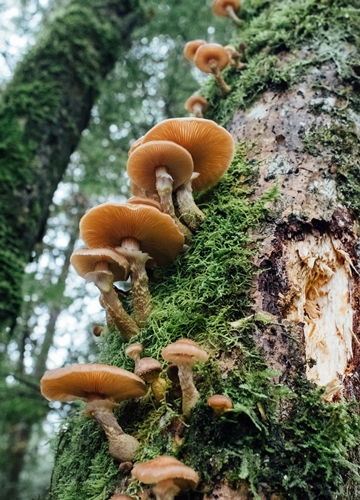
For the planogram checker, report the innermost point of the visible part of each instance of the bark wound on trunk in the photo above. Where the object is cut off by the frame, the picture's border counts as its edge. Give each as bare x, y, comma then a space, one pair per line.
308, 258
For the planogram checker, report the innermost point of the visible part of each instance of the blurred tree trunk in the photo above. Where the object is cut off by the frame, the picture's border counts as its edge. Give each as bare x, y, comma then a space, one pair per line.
43, 111
19, 433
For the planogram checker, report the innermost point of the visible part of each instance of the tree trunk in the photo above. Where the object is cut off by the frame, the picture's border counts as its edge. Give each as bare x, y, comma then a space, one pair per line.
20, 430
269, 286
42, 114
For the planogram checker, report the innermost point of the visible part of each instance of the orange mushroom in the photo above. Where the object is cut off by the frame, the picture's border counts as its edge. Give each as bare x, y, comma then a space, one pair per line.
103, 266
213, 58
212, 149
196, 104
191, 48
170, 475
133, 351
100, 386
135, 145
149, 369
220, 404
227, 8
184, 353
136, 232
162, 166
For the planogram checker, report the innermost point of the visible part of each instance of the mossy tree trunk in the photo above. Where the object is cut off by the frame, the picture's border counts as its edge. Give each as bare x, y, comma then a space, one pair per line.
43, 111
270, 285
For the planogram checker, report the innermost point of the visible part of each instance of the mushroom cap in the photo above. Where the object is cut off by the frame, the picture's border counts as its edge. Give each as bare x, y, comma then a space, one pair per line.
144, 200
191, 48
108, 224
143, 162
84, 261
219, 7
219, 403
211, 52
184, 351
211, 146
79, 381
147, 368
193, 100
135, 145
134, 350
164, 468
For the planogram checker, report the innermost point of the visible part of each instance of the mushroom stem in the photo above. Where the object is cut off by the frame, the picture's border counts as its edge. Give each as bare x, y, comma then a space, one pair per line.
122, 446
198, 110
166, 490
223, 86
231, 13
104, 280
164, 187
137, 259
158, 388
190, 395
188, 209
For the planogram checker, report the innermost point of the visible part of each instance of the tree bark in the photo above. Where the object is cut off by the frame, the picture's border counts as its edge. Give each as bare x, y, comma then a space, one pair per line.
290, 361
43, 111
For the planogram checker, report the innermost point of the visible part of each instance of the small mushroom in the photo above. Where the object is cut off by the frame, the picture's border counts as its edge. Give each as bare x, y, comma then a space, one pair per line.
137, 232
149, 369
227, 8
196, 104
191, 48
169, 475
220, 404
103, 266
184, 353
161, 166
213, 58
234, 57
100, 386
97, 330
212, 149
133, 351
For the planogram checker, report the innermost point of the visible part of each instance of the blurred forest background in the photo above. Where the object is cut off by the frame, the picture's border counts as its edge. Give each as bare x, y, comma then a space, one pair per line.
148, 84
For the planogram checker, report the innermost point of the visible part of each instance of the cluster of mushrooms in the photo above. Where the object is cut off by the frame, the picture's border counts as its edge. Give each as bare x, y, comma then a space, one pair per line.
173, 159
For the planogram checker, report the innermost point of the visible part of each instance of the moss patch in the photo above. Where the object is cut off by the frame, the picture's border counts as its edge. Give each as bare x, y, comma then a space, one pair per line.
282, 40
197, 297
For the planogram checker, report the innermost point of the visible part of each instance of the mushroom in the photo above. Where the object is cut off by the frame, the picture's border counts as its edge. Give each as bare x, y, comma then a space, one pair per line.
161, 166
97, 330
149, 369
234, 57
135, 145
213, 58
212, 149
103, 266
227, 8
133, 351
136, 232
184, 353
170, 475
191, 48
220, 404
121, 497
100, 386
196, 104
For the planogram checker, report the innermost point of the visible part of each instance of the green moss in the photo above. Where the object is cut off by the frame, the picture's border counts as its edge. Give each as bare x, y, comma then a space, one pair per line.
302, 454
341, 143
273, 34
